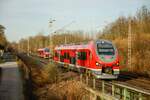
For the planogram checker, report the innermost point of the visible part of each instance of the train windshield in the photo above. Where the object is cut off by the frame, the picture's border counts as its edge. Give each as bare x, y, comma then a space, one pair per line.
105, 48
46, 50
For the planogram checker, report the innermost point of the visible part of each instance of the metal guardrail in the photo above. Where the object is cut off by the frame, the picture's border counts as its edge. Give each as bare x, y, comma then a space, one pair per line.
107, 90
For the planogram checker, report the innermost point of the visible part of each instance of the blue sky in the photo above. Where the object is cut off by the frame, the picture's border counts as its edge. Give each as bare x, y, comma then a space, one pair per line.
23, 18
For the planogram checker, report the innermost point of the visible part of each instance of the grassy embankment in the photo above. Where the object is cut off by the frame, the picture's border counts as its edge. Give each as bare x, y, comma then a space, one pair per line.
50, 83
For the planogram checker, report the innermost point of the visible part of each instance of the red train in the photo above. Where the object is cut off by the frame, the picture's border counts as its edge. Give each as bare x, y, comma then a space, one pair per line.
44, 52
100, 58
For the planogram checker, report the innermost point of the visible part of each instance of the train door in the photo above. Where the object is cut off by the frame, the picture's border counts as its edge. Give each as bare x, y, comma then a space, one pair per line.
66, 57
90, 59
56, 55
59, 55
83, 58
72, 57
87, 61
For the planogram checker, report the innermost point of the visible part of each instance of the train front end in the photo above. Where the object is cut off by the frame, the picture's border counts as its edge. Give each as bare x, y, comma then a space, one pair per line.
46, 53
108, 60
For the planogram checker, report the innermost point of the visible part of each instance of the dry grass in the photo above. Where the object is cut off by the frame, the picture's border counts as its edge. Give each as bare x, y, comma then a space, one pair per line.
65, 90
39, 77
140, 53
52, 71
54, 85
49, 83
122, 47
45, 75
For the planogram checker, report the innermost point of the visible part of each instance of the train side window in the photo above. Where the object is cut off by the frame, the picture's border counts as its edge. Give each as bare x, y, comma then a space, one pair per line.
82, 55
72, 60
66, 55
56, 54
79, 55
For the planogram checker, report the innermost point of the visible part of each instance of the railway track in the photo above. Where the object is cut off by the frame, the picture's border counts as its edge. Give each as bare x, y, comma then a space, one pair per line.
131, 80
125, 78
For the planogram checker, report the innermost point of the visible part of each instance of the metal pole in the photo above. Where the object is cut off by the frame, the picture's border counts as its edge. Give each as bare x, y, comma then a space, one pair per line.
65, 40
113, 89
87, 80
28, 46
129, 44
21, 48
50, 40
103, 89
81, 77
124, 93
140, 96
18, 47
50, 36
93, 83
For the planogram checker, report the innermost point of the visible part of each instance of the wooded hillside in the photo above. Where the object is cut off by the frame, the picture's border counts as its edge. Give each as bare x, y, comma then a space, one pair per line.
117, 31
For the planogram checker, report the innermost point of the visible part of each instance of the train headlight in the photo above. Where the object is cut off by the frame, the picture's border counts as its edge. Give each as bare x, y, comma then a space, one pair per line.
97, 64
117, 64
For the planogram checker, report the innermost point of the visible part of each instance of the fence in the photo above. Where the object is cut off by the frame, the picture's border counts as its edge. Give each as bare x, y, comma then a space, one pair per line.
110, 90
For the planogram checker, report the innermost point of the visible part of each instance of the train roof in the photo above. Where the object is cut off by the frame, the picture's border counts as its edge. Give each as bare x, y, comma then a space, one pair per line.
72, 46
85, 45
41, 49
